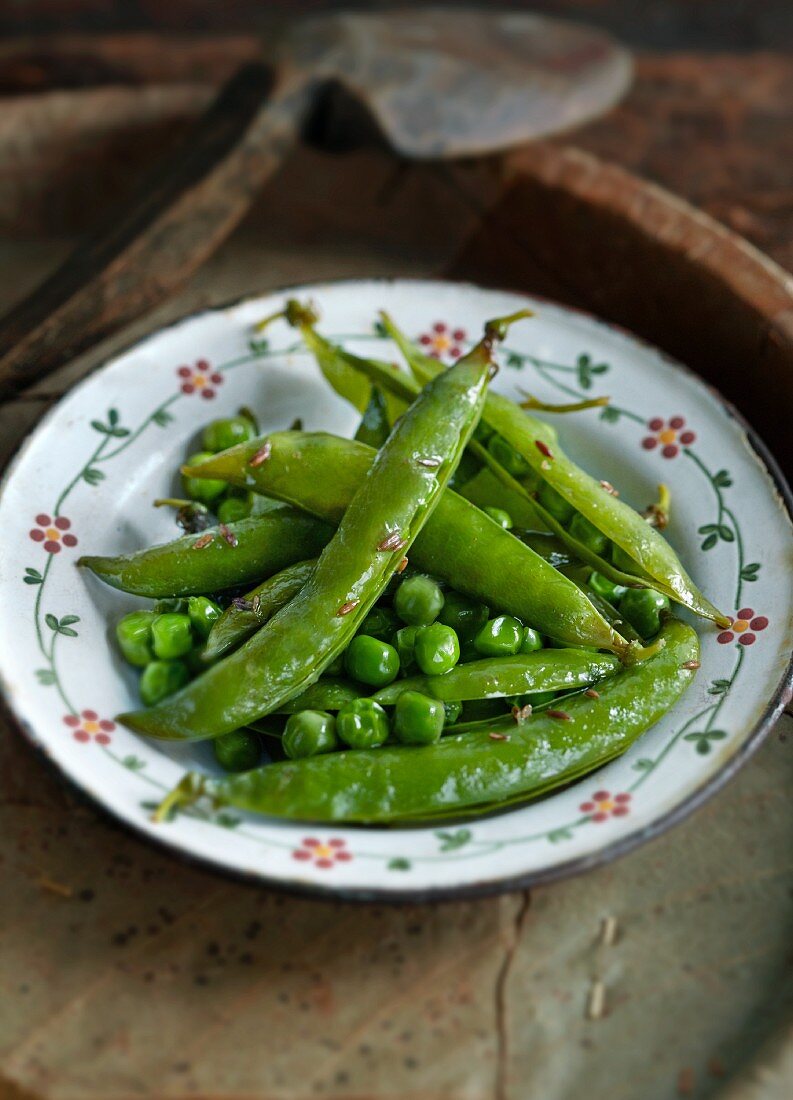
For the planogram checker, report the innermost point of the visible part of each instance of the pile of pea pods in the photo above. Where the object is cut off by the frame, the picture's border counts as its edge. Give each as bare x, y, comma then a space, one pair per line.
439, 617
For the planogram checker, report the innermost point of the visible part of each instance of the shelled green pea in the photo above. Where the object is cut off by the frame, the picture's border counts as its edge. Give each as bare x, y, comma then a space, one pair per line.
362, 724
161, 679
436, 649
309, 733
418, 719
133, 634
371, 661
171, 635
642, 607
418, 600
238, 751
202, 613
221, 434
499, 637
204, 489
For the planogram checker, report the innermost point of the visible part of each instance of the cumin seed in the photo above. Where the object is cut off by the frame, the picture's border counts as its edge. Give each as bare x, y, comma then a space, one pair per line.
560, 715
494, 735
429, 463
346, 608
402, 566
229, 536
609, 488
520, 714
592, 694
262, 454
691, 664
543, 448
204, 541
394, 541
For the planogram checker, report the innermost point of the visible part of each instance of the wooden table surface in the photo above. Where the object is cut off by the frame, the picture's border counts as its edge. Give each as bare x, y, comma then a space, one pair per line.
127, 973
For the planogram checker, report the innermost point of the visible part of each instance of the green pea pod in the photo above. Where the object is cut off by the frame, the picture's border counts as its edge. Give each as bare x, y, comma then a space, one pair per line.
395, 497
374, 427
468, 772
536, 442
460, 544
543, 670
221, 557
243, 618
485, 490
325, 694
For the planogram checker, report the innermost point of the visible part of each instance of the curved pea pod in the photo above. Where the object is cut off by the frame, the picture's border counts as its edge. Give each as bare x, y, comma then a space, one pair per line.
460, 544
393, 501
374, 427
218, 558
243, 617
326, 694
657, 563
544, 670
468, 772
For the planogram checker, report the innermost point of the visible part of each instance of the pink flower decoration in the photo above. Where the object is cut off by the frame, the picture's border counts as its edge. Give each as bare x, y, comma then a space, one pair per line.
200, 378
746, 625
90, 727
669, 435
603, 805
322, 853
53, 533
442, 340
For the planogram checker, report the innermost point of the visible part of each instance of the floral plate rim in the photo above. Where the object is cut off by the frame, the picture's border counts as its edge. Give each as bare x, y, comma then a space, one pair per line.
752, 737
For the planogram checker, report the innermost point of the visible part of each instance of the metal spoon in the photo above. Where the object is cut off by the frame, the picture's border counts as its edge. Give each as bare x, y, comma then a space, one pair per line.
431, 83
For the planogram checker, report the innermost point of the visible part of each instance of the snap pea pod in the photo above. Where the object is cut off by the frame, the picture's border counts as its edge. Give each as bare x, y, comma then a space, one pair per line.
468, 772
535, 441
396, 496
326, 694
460, 543
374, 427
543, 670
244, 617
220, 557
493, 483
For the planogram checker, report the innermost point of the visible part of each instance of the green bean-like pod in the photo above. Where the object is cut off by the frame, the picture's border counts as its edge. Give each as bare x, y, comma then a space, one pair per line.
469, 772
398, 493
220, 557
460, 544
537, 443
491, 678
244, 616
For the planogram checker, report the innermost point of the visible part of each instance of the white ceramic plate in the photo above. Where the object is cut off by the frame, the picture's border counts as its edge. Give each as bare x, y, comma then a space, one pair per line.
85, 479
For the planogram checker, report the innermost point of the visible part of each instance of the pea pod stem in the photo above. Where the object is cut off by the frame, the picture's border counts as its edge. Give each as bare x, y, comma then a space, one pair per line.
531, 402
463, 773
397, 494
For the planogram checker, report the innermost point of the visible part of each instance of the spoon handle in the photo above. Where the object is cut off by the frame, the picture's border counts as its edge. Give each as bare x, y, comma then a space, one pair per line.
173, 222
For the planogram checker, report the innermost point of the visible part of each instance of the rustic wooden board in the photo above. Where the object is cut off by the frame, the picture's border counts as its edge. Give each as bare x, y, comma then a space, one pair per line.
126, 973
